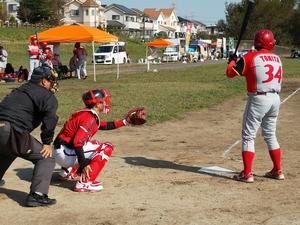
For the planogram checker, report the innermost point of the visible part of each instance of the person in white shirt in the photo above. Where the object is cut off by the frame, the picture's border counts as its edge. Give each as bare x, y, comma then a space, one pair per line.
3, 59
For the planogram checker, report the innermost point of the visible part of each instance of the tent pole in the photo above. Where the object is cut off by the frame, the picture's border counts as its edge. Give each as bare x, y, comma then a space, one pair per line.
94, 61
118, 63
148, 63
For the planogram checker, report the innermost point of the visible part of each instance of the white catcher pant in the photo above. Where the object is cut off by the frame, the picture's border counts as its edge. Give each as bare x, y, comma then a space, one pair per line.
261, 110
66, 157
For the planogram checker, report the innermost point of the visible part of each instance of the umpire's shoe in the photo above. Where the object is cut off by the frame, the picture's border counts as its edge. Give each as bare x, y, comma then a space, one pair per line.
35, 200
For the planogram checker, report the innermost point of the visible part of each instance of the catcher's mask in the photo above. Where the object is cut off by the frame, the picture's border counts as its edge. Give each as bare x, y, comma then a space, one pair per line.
91, 97
45, 72
264, 39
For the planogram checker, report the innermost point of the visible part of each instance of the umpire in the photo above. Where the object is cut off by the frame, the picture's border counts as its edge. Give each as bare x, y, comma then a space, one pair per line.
21, 111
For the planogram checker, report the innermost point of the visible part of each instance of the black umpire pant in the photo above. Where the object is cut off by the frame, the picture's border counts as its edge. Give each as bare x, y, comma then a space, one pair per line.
14, 144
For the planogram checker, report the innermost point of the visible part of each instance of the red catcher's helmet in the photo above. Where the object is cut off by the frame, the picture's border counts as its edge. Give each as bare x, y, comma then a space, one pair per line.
94, 96
264, 39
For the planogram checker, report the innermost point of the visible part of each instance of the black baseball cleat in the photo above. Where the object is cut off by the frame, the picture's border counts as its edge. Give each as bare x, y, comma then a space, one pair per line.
2, 182
35, 200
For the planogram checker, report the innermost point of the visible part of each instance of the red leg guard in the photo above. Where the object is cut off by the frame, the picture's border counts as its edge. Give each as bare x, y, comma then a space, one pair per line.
247, 160
99, 161
276, 158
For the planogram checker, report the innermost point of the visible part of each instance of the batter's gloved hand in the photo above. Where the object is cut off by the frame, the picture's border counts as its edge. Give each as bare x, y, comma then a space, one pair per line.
136, 116
232, 57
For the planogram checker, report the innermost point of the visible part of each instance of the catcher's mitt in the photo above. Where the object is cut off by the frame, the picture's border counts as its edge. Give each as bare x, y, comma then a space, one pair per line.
136, 116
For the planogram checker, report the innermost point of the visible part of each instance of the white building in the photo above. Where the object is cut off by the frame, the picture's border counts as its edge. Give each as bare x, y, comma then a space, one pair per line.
87, 12
164, 20
123, 15
12, 7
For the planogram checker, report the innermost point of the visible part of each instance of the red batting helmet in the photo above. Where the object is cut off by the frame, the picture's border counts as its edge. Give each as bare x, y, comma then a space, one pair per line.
264, 39
33, 38
91, 97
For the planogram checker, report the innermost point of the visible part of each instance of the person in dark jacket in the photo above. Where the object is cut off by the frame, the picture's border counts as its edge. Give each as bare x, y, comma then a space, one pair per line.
21, 111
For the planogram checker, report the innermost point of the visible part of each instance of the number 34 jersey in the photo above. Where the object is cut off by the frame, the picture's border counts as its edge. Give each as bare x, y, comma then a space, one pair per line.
262, 69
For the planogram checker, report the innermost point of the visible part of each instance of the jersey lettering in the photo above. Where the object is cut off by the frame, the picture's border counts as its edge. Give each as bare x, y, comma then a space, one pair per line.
268, 72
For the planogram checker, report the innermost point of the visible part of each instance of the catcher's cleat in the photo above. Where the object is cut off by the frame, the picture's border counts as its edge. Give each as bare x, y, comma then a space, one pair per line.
90, 186
247, 178
68, 175
275, 174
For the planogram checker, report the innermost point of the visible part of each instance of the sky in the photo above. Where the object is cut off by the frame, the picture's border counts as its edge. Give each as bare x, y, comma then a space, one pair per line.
206, 11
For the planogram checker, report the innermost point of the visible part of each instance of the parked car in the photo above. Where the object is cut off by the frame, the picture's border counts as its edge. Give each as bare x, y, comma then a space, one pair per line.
111, 53
171, 54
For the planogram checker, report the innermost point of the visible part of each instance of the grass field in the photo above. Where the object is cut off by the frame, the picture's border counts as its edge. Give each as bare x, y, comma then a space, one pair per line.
166, 94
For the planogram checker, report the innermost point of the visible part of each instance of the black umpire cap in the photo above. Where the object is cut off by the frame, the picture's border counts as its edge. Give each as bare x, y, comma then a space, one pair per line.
42, 72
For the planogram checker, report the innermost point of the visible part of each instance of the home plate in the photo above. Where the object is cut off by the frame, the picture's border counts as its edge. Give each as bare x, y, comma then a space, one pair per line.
215, 170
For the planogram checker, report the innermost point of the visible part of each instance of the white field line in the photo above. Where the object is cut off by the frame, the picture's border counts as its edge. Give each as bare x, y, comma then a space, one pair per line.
225, 153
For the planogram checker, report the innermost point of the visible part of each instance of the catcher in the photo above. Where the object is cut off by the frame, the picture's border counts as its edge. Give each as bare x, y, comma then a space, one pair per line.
78, 155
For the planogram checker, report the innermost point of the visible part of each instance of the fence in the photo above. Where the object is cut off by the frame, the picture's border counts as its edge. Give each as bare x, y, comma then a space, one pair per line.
7, 24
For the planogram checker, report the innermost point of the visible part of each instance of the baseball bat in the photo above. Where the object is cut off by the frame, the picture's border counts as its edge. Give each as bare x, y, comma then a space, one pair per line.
249, 10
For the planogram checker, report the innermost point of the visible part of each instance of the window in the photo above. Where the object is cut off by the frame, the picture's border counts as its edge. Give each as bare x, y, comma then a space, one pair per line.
127, 18
86, 12
75, 12
115, 17
12, 8
93, 12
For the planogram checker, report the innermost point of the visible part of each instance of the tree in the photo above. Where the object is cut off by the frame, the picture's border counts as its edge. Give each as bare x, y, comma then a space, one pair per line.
293, 28
267, 14
40, 11
221, 26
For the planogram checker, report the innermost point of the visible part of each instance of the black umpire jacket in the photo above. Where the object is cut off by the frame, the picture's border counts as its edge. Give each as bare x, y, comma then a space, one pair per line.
28, 106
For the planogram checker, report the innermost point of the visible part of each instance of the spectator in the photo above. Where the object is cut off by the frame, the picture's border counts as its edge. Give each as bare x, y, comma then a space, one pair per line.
73, 63
33, 51
46, 55
81, 56
3, 59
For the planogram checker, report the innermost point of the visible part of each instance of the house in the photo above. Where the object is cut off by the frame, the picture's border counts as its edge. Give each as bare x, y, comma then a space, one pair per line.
123, 15
164, 20
11, 7
200, 27
212, 29
87, 12
146, 24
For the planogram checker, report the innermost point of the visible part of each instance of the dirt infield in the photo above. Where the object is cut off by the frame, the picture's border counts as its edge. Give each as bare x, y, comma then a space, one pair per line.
153, 176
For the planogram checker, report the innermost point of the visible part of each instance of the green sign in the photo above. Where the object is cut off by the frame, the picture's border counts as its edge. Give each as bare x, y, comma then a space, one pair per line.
231, 43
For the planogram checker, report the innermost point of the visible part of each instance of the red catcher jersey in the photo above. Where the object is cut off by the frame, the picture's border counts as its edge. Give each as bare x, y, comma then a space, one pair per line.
80, 128
263, 71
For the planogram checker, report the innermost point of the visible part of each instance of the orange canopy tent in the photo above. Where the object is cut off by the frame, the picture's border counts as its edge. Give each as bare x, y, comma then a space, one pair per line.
156, 43
77, 33
159, 43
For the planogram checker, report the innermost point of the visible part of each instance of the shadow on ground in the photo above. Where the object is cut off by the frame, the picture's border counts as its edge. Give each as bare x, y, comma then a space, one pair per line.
26, 175
15, 195
163, 164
